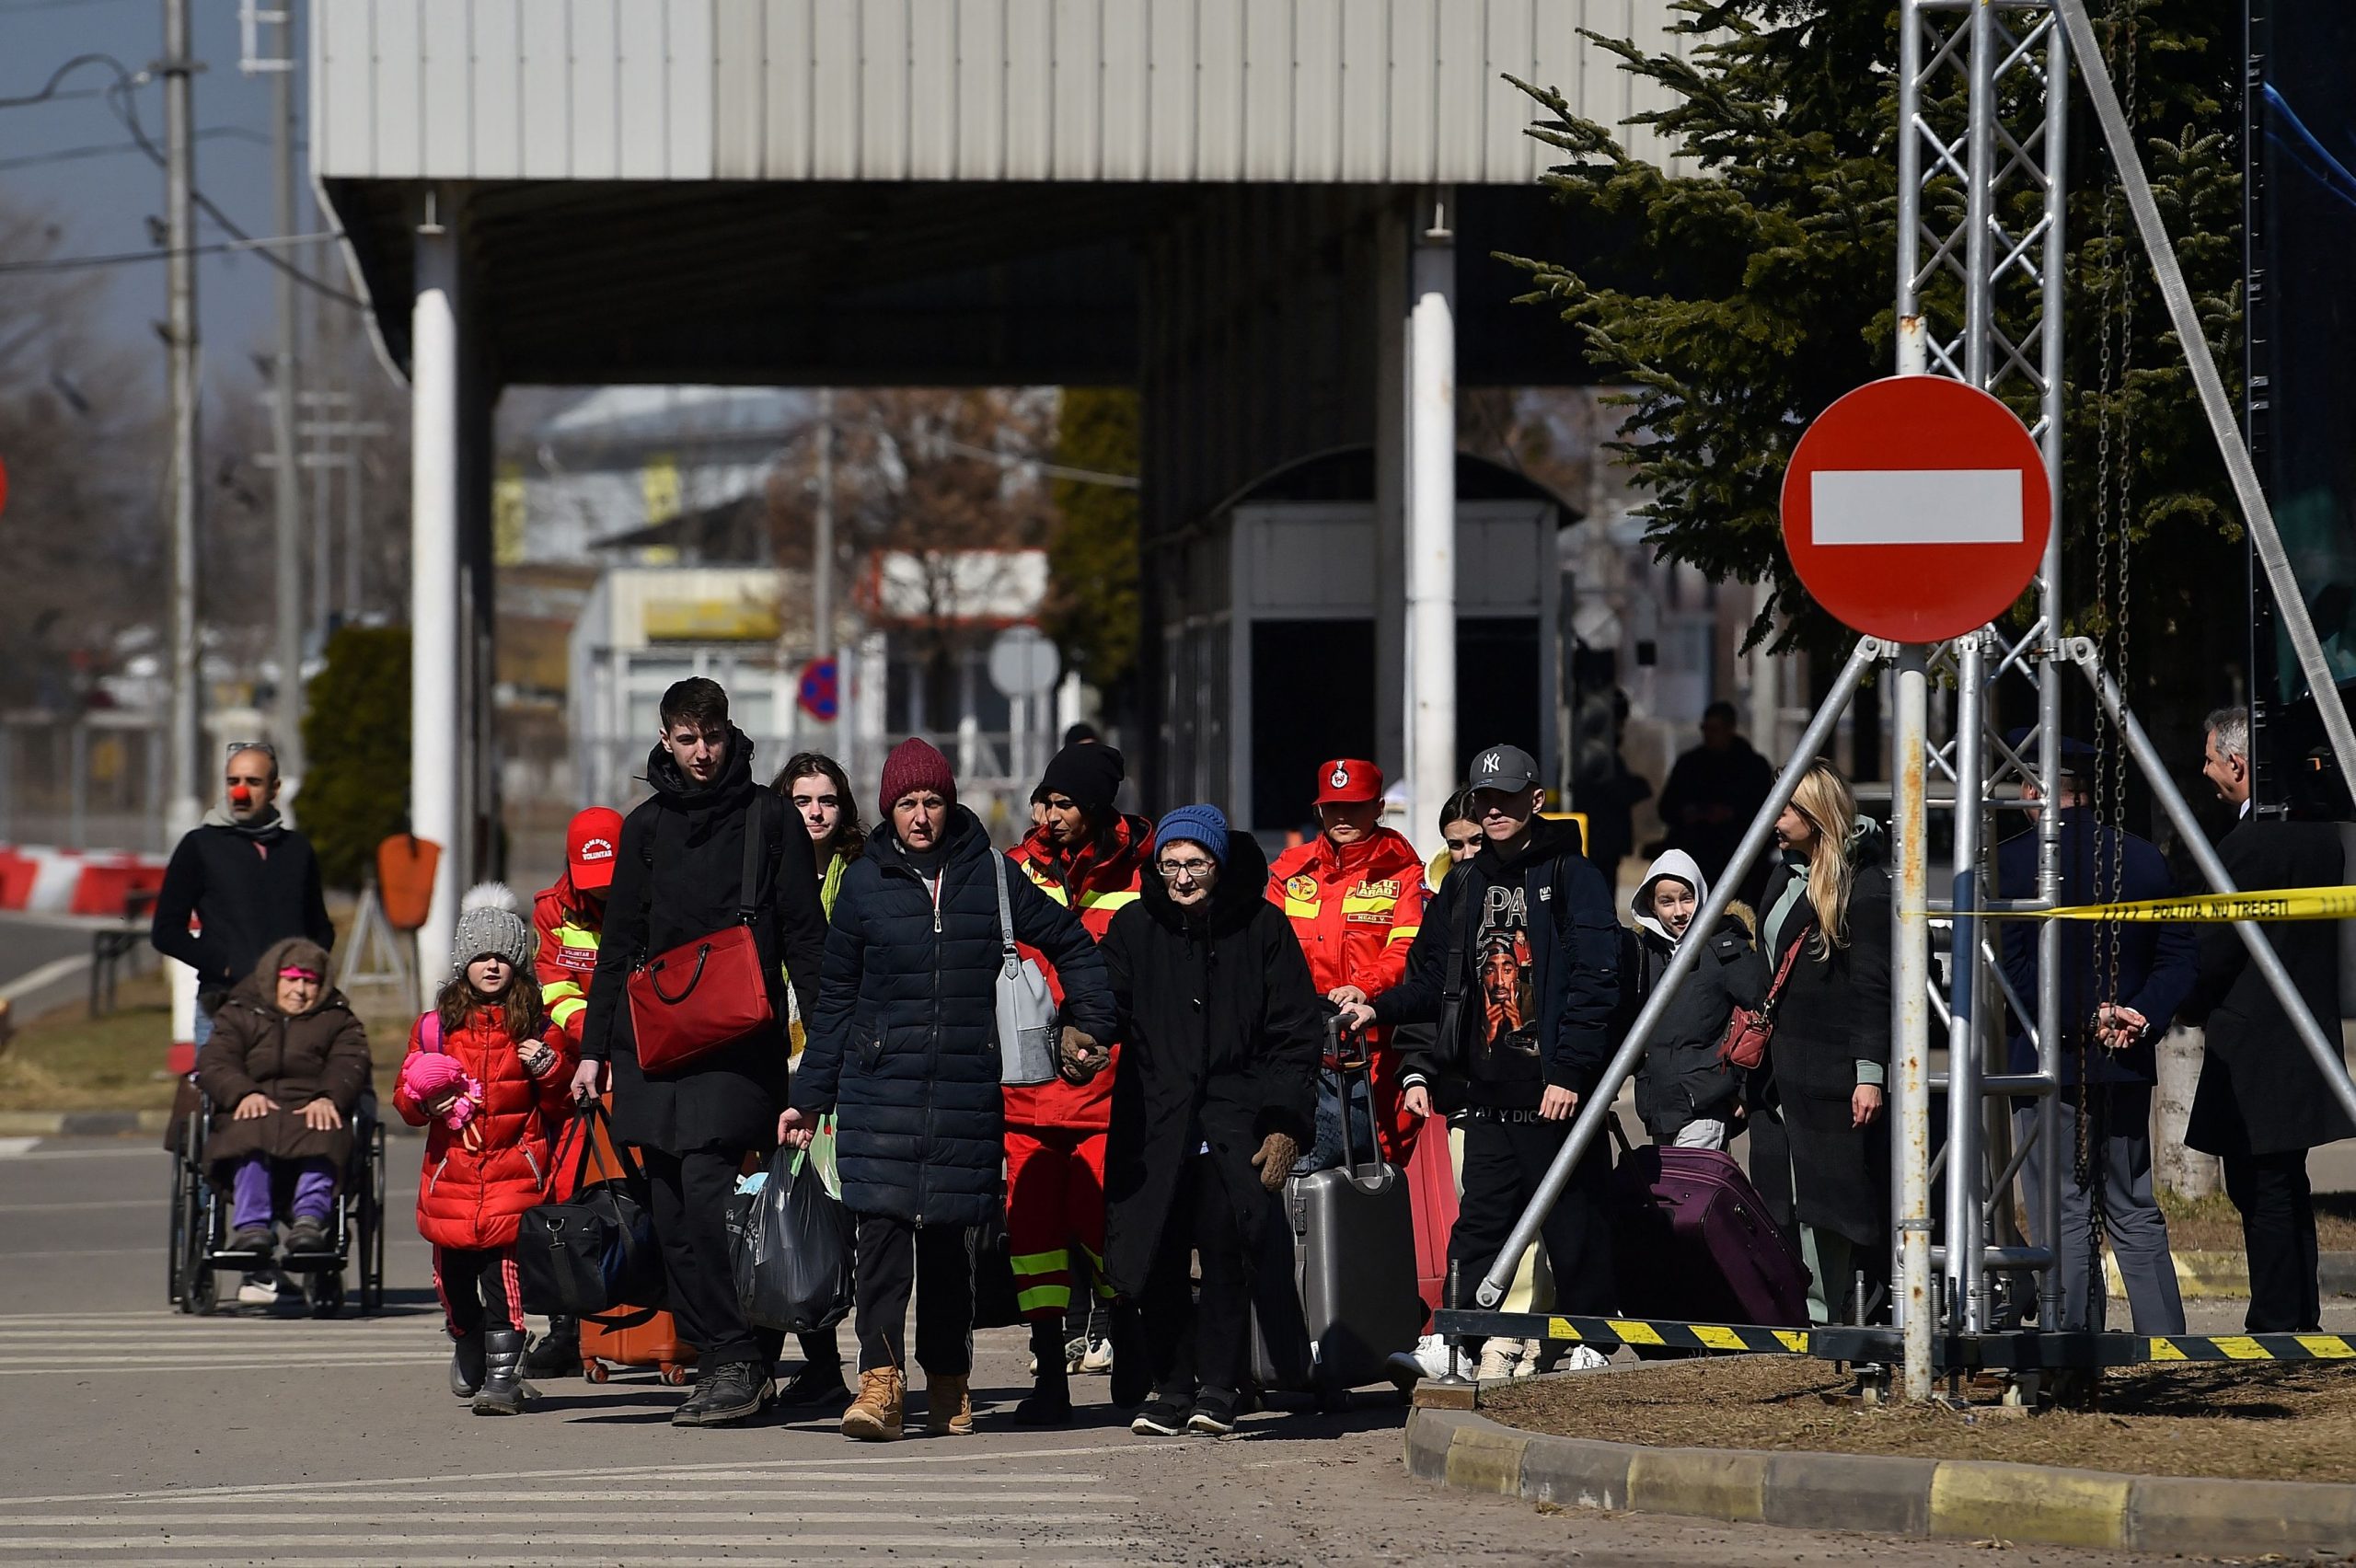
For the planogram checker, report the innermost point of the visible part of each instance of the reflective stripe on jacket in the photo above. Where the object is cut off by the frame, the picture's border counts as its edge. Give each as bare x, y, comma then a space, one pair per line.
568, 925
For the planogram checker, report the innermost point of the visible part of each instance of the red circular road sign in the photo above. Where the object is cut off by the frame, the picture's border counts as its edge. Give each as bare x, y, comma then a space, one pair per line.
1916, 509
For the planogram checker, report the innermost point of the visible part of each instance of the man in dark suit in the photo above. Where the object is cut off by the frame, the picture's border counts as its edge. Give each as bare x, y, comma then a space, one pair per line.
2263, 1102
2111, 1015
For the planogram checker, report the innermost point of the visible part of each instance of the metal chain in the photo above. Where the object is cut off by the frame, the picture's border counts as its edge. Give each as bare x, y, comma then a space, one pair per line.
2111, 764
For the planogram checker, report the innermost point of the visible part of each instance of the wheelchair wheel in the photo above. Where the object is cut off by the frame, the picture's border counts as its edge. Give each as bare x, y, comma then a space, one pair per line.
176, 1251
371, 1250
324, 1291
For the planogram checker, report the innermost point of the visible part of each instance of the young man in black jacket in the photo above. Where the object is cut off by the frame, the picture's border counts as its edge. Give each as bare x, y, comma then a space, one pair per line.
1517, 963
678, 876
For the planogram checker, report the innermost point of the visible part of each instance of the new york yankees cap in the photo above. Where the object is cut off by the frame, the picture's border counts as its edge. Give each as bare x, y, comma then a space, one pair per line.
1503, 767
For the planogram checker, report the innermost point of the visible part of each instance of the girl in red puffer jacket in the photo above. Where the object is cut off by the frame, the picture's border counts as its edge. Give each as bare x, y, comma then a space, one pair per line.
484, 1168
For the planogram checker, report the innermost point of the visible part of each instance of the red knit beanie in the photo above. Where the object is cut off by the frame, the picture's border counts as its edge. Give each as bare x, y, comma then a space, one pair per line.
916, 765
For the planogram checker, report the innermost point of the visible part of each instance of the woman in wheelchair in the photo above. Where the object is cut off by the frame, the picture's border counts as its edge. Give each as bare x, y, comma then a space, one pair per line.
287, 1064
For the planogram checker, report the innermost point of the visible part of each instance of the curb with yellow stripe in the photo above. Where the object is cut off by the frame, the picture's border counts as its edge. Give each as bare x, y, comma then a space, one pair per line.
1939, 1499
2117, 1349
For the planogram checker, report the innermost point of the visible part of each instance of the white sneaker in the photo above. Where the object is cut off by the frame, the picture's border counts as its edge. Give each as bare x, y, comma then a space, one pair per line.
258, 1289
1075, 1354
1528, 1366
1431, 1355
1498, 1358
1098, 1357
1584, 1358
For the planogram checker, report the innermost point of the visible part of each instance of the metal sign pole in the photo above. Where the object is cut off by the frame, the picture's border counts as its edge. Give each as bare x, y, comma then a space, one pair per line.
1909, 988
1598, 1103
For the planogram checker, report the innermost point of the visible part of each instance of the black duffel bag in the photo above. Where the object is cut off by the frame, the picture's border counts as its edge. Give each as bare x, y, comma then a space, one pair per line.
595, 1253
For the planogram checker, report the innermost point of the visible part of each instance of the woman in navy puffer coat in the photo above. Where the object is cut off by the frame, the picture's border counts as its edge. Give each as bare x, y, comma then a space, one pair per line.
903, 1048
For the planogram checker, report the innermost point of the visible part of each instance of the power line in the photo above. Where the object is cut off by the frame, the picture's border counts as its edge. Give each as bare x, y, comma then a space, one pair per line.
13, 7
105, 149
127, 110
126, 258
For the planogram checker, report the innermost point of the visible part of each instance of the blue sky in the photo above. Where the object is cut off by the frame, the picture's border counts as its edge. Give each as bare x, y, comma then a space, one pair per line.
103, 202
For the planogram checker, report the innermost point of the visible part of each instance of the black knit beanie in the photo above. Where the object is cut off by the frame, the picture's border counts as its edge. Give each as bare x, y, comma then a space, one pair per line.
1088, 775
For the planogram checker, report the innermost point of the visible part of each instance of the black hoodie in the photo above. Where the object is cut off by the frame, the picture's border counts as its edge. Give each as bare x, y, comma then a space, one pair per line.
678, 875
1556, 986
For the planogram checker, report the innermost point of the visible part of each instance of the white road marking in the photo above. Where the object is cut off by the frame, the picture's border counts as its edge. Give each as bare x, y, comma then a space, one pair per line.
143, 1147
343, 1520
900, 1559
241, 1544
49, 974
12, 1148
85, 1204
211, 1366
732, 1470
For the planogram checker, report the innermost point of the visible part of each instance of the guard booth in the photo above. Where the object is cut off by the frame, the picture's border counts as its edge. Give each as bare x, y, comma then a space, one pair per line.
1275, 615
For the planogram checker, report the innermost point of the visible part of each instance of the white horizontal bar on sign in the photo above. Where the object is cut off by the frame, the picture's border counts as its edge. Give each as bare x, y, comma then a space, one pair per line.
1915, 506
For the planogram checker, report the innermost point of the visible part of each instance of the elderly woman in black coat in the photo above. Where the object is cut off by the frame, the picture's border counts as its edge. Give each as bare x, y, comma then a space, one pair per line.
1216, 1095
1819, 1153
903, 1048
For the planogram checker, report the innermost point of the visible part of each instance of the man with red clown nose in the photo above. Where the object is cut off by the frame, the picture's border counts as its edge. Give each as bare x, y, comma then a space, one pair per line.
239, 882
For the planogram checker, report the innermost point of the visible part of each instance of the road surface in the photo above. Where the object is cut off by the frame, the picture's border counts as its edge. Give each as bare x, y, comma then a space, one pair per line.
139, 1435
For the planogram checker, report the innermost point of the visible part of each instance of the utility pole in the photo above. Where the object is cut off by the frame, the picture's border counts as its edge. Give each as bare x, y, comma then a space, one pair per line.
183, 741
284, 401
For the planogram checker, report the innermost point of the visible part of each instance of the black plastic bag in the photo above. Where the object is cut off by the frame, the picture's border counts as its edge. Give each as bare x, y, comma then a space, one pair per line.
791, 1255
997, 1299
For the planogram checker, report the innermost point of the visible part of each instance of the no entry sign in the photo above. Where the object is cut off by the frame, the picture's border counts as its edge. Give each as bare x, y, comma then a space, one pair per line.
1916, 509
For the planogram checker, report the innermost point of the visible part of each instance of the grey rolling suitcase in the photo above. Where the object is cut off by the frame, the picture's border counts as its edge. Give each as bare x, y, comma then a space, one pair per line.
1353, 1263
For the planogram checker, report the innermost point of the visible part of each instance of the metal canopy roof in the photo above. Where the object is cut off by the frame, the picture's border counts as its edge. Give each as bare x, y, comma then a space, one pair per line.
909, 191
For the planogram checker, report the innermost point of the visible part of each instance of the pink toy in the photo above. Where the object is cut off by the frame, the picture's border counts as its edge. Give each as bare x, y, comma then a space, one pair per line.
427, 1075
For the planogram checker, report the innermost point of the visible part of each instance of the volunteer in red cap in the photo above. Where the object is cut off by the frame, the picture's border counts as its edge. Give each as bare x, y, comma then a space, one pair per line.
568, 918
1355, 896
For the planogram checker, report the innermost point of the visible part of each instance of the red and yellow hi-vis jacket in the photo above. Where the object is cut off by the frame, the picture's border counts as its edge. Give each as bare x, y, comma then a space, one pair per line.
568, 925
1095, 885
1355, 909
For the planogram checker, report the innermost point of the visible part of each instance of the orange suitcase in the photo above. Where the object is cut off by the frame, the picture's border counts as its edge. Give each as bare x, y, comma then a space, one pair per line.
654, 1342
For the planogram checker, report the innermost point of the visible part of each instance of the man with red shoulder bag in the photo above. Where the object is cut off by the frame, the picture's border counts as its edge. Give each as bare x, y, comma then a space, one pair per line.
715, 891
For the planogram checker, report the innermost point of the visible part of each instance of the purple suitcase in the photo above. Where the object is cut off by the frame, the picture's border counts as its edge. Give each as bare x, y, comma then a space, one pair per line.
1691, 1242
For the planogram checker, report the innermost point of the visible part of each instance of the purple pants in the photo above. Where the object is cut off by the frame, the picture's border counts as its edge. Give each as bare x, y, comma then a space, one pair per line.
259, 1179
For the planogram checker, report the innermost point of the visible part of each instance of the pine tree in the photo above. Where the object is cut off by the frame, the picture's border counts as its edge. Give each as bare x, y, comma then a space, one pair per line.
1738, 301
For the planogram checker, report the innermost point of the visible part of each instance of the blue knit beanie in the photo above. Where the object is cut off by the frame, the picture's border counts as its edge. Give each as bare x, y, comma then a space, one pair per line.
1206, 825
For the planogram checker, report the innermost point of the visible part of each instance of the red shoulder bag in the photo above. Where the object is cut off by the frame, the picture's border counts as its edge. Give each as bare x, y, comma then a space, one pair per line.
707, 993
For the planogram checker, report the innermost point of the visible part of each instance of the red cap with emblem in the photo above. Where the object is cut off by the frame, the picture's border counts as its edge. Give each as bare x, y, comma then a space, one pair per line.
1349, 778
589, 846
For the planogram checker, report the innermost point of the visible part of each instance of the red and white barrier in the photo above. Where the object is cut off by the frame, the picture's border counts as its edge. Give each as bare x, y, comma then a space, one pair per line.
40, 878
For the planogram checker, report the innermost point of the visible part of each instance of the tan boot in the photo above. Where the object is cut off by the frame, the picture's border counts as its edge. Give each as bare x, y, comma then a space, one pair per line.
874, 1416
949, 1407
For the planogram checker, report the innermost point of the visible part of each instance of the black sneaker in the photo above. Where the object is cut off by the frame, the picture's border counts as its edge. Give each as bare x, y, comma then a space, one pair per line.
1160, 1418
734, 1391
818, 1386
1214, 1413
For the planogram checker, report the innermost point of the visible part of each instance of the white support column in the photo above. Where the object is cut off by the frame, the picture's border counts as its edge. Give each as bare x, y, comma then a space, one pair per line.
1391, 436
436, 763
1432, 772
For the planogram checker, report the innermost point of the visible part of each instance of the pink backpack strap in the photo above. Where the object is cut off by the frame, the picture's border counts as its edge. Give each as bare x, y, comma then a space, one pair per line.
429, 1030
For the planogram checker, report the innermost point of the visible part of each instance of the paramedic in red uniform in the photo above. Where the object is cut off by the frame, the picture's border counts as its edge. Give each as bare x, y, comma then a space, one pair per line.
567, 919
1355, 894
1087, 856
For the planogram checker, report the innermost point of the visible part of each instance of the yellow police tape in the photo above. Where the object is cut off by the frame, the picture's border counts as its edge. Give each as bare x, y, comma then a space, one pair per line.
2274, 903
